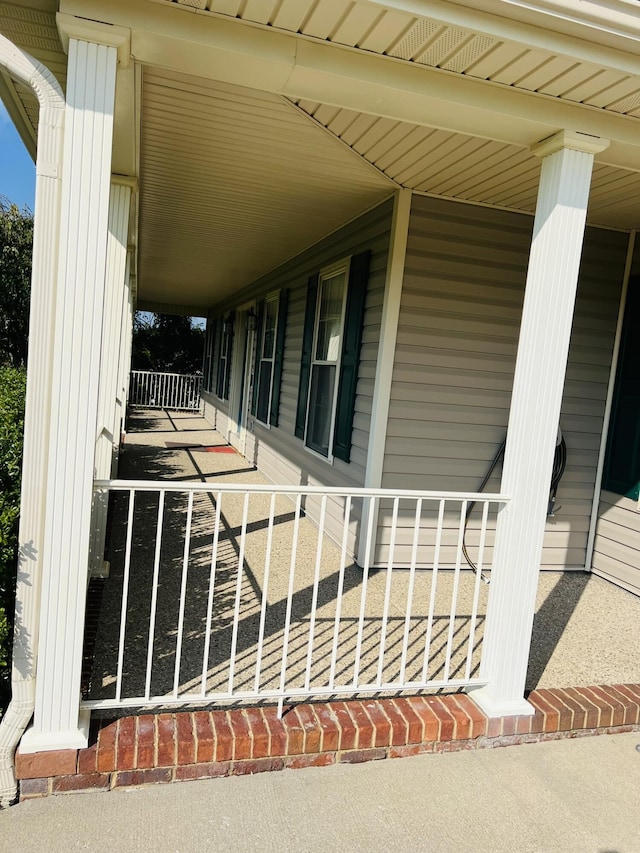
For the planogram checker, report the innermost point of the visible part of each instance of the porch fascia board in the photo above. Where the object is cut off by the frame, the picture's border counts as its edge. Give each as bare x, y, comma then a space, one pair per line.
296, 66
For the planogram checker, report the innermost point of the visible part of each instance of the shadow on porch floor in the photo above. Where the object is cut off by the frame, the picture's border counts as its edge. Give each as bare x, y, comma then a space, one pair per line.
586, 631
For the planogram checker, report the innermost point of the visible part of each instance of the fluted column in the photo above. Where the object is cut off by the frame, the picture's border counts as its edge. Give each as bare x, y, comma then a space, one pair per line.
543, 348
74, 393
114, 296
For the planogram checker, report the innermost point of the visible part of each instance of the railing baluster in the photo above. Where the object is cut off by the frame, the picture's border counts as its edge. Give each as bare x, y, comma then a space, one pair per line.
343, 560
363, 597
454, 592
287, 617
476, 589
412, 578
212, 582
125, 594
265, 585
314, 598
432, 597
387, 590
154, 593
183, 594
236, 608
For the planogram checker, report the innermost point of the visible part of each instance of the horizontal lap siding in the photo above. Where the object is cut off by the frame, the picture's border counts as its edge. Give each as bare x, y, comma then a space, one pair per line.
616, 553
460, 314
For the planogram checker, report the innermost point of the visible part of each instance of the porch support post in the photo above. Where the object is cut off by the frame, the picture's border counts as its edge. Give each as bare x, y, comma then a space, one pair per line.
124, 364
74, 395
543, 347
114, 296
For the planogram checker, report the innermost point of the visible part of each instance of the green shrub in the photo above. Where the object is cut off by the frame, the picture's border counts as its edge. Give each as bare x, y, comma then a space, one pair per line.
12, 392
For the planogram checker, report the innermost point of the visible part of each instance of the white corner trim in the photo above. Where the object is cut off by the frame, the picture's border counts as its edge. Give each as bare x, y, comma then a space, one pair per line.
83, 29
388, 337
385, 358
572, 139
604, 434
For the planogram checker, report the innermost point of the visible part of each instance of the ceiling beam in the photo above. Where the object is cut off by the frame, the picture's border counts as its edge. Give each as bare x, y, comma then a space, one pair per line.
232, 51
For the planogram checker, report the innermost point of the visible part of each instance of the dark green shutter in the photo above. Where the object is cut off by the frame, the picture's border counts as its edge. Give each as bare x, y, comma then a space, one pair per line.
227, 378
278, 357
307, 352
207, 370
219, 346
256, 372
622, 459
351, 340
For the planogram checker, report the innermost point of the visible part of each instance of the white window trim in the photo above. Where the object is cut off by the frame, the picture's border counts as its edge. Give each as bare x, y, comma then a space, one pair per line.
342, 266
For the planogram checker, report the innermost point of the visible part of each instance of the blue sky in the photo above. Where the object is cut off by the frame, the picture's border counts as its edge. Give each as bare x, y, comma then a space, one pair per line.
17, 169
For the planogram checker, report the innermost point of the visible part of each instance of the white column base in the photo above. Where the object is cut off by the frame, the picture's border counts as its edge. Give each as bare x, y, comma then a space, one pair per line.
37, 741
493, 707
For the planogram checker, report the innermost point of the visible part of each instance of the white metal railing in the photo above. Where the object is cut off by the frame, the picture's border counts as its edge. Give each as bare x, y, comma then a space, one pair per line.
236, 592
151, 390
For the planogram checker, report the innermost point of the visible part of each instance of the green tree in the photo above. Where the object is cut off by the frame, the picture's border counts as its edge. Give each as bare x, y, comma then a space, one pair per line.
166, 343
12, 392
16, 242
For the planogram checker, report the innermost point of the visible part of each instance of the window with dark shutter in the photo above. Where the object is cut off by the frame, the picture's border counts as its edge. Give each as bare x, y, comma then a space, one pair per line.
330, 354
224, 359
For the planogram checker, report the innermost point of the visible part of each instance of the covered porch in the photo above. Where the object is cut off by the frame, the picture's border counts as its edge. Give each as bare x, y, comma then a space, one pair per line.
233, 167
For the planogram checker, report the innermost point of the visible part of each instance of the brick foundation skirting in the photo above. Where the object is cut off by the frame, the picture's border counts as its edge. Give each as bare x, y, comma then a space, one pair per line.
169, 747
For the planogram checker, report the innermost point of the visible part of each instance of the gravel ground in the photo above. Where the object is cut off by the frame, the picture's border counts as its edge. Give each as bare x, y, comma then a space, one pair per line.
586, 631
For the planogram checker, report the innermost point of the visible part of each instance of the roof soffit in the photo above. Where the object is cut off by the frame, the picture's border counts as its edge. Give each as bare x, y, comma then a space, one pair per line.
215, 46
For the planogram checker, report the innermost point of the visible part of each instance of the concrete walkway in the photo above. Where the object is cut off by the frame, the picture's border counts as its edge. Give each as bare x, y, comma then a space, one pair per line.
568, 796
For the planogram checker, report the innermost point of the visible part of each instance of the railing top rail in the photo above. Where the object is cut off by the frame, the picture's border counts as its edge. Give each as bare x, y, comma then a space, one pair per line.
164, 373
339, 491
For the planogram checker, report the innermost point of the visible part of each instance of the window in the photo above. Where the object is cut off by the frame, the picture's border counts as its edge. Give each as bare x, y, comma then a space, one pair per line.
271, 328
224, 357
622, 459
330, 353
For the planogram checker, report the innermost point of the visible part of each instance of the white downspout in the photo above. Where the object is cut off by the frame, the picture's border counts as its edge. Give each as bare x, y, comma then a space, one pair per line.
38, 402
593, 523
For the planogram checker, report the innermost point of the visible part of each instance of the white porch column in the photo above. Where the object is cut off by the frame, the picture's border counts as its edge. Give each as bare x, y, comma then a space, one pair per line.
74, 399
533, 419
114, 297
124, 363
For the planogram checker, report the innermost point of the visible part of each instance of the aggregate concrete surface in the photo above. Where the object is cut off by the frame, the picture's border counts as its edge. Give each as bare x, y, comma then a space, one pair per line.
556, 797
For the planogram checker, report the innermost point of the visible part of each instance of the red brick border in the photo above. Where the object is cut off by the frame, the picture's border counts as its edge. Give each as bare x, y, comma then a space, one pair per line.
202, 744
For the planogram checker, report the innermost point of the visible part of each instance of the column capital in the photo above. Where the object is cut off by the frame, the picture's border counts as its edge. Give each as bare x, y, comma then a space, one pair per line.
82, 29
125, 181
572, 139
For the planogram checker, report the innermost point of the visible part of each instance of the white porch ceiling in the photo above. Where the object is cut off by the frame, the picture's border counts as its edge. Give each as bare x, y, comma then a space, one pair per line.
233, 182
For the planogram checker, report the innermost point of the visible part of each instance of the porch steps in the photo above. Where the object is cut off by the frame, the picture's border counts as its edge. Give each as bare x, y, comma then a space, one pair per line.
167, 747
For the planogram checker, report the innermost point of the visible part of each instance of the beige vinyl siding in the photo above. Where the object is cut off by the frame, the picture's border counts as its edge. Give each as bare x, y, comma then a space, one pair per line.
277, 452
460, 313
616, 553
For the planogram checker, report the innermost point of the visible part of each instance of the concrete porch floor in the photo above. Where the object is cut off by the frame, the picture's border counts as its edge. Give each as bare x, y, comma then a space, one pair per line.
586, 631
